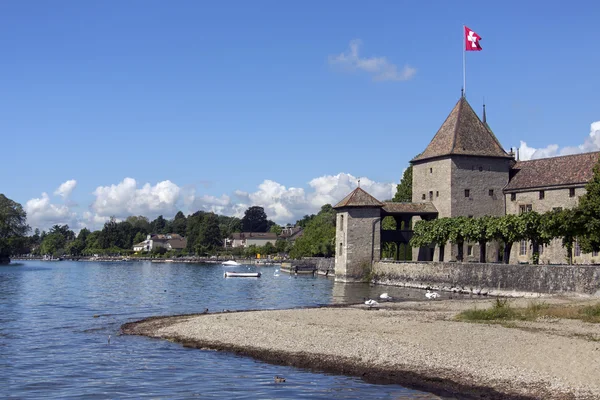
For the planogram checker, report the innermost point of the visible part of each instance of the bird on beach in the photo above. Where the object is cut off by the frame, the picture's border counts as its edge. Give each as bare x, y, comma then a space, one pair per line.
385, 296
371, 303
432, 295
205, 311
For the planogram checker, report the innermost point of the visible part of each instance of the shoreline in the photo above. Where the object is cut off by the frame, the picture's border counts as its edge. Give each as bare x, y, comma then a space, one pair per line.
418, 345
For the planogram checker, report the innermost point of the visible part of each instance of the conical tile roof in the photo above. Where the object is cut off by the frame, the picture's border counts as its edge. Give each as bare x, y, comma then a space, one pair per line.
359, 198
463, 133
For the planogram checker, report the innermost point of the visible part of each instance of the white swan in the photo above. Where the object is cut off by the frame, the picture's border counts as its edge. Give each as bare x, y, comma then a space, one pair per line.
385, 296
371, 303
432, 295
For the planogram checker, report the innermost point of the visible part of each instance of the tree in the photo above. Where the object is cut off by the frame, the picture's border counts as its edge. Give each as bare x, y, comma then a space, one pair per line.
434, 232
77, 246
255, 220
458, 235
282, 245
404, 188
92, 242
53, 244
532, 230
476, 230
158, 225
303, 222
507, 229
179, 224
276, 229
589, 207
139, 237
13, 226
109, 236
318, 238
139, 224
193, 229
229, 225
564, 224
209, 235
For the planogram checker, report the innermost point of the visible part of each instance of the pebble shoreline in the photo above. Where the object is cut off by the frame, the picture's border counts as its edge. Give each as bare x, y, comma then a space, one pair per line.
419, 345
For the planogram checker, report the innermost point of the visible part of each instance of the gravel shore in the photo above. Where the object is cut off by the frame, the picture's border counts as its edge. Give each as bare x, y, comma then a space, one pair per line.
419, 345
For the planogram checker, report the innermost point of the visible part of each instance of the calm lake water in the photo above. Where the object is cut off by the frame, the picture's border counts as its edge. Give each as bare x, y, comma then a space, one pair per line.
55, 319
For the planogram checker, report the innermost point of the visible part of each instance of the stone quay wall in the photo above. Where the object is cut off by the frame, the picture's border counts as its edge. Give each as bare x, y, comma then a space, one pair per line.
494, 279
324, 265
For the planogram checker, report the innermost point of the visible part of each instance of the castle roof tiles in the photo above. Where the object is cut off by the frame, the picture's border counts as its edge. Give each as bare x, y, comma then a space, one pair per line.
359, 198
571, 170
463, 133
409, 208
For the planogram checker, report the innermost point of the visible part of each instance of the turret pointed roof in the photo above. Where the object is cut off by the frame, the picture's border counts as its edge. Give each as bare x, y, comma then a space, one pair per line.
359, 198
463, 133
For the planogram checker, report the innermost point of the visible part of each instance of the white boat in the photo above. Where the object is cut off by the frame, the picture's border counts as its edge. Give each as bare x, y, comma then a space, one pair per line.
241, 274
231, 263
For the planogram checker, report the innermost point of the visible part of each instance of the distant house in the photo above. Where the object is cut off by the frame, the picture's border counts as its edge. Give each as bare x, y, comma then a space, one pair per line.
291, 233
169, 241
247, 239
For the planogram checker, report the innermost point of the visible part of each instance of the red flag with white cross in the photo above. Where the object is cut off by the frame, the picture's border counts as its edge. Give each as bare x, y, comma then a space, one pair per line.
472, 40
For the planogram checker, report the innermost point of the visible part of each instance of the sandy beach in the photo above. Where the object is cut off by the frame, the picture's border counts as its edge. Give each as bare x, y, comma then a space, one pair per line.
418, 344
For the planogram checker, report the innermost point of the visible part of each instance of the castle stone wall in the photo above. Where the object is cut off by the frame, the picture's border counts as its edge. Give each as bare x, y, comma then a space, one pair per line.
478, 175
554, 253
358, 242
432, 180
492, 279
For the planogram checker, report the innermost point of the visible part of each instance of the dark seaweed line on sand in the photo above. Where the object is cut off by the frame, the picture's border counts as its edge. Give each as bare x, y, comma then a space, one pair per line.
444, 387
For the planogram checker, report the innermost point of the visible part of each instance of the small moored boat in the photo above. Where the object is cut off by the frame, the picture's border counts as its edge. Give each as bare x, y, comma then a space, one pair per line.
231, 263
241, 274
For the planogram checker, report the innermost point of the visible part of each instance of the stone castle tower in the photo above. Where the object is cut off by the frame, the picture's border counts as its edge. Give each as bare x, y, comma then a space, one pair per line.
462, 171
357, 235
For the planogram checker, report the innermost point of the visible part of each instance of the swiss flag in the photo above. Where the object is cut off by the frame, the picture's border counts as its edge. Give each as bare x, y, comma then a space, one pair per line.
472, 40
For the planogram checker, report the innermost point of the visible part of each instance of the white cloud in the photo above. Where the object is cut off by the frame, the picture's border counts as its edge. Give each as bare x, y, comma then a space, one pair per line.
42, 214
591, 143
378, 67
282, 204
125, 198
66, 188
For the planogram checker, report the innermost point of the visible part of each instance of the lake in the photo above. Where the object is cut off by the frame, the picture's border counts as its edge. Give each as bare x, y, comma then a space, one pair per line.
56, 318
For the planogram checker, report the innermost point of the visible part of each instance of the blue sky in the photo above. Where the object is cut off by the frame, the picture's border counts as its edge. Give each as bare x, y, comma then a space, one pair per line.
222, 105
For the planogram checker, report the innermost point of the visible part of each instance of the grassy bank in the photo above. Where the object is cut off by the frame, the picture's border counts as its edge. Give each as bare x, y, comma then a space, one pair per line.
502, 311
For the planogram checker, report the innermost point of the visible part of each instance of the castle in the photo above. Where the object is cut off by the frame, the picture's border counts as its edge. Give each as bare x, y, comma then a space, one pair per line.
464, 171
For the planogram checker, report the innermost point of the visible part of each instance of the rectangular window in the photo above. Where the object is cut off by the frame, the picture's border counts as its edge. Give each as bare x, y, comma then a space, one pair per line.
469, 250
341, 248
431, 170
424, 196
523, 208
542, 195
513, 196
491, 192
572, 192
576, 248
431, 195
467, 193
437, 194
341, 222
523, 248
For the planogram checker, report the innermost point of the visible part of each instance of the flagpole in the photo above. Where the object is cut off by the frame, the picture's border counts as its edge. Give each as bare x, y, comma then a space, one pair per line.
464, 62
